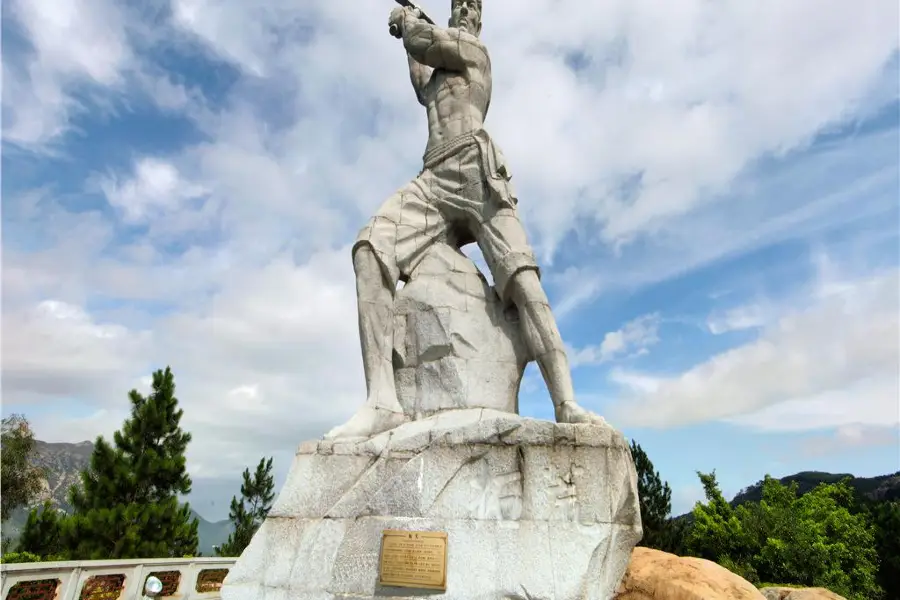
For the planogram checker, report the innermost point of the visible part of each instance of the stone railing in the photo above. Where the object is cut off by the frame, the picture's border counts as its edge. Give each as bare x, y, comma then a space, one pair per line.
182, 578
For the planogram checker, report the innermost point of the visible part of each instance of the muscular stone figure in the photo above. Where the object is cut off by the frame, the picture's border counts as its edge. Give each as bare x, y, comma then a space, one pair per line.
463, 193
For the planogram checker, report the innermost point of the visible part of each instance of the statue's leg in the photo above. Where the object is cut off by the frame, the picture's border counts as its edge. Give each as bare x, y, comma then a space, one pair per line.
545, 344
375, 305
381, 410
386, 249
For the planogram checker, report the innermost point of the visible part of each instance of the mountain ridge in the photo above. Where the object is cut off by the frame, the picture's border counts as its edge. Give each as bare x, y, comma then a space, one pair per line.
63, 463
878, 488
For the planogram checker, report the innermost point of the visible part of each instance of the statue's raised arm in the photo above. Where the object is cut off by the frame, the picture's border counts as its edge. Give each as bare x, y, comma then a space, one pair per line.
451, 49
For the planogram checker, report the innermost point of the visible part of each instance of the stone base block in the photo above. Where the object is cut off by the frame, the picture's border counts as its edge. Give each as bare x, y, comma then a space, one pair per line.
533, 510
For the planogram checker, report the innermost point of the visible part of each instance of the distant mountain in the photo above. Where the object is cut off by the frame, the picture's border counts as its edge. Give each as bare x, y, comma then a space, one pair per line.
211, 534
63, 463
882, 488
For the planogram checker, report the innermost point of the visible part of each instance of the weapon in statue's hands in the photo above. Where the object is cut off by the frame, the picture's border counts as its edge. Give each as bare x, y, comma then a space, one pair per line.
395, 30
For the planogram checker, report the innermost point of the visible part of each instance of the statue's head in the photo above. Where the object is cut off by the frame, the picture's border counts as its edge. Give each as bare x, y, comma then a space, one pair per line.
466, 15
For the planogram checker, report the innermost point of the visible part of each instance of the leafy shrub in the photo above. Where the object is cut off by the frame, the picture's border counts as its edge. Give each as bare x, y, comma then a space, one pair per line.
19, 557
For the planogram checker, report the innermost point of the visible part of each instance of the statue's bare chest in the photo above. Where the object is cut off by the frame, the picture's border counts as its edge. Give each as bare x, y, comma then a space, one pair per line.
471, 87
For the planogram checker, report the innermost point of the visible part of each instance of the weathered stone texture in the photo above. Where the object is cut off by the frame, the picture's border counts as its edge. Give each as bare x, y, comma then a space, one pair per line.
532, 509
456, 345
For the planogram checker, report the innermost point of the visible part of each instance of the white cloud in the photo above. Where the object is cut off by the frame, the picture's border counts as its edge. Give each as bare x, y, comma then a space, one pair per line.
217, 22
831, 363
853, 436
72, 37
734, 82
155, 187
635, 337
82, 56
272, 360
873, 401
40, 111
73, 42
845, 191
748, 316
578, 289
55, 349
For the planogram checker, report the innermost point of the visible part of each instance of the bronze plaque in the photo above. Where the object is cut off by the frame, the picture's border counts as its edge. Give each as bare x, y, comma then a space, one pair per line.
413, 559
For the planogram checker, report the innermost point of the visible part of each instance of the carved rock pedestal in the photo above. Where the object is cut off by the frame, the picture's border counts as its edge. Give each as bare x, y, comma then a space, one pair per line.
532, 510
455, 343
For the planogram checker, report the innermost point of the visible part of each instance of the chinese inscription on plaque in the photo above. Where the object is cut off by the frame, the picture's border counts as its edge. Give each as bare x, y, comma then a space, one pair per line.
415, 559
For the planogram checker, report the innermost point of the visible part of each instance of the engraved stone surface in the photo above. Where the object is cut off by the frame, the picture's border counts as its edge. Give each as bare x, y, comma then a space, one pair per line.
529, 505
456, 345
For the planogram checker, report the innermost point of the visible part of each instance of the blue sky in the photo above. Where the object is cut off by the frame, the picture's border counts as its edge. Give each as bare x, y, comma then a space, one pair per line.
712, 191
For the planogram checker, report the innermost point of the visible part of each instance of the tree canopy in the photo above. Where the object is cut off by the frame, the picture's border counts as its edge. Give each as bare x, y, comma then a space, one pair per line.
885, 516
813, 540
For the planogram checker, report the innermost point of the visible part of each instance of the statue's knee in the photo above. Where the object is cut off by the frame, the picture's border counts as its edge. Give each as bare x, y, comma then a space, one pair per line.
364, 258
525, 286
372, 277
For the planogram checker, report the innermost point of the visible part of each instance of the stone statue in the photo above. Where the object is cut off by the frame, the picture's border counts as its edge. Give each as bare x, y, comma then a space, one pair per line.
530, 508
462, 194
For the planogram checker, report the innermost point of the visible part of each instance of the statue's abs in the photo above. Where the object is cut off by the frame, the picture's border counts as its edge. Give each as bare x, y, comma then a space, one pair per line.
456, 103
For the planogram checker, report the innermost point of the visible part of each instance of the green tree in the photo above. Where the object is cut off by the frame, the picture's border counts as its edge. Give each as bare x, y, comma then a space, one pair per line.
718, 532
655, 496
812, 540
816, 540
885, 517
257, 494
19, 479
44, 532
128, 503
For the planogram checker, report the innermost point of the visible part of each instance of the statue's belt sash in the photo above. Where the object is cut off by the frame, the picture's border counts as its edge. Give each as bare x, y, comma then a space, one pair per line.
494, 166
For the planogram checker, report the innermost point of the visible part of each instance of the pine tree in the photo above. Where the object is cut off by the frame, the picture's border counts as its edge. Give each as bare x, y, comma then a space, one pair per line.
257, 494
127, 505
44, 532
655, 496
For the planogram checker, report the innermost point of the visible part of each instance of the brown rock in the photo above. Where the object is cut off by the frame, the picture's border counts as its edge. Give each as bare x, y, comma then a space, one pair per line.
656, 575
786, 593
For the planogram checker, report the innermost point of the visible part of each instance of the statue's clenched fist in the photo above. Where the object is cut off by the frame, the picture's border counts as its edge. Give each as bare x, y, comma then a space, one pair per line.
398, 15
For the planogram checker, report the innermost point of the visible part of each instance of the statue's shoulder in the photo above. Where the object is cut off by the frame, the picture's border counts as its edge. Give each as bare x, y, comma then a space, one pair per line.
471, 48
